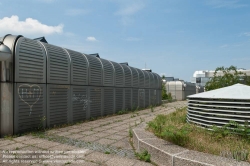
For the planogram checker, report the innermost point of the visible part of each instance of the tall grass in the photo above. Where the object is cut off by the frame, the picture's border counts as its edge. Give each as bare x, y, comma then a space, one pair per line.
232, 140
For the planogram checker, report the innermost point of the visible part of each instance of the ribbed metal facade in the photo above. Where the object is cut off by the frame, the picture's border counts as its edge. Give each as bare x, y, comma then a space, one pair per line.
219, 112
66, 86
30, 61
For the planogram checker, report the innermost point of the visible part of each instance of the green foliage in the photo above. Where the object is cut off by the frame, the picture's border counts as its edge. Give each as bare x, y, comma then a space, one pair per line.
144, 156
152, 108
130, 132
107, 152
242, 130
163, 90
224, 77
230, 128
41, 126
158, 123
238, 154
178, 137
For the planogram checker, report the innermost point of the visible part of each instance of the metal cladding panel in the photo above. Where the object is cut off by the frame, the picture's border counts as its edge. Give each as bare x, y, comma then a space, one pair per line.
119, 99
29, 107
119, 74
79, 68
135, 103
155, 81
146, 75
95, 106
95, 71
141, 98
108, 101
147, 98
58, 65
128, 97
127, 76
160, 96
30, 61
108, 73
152, 97
135, 77
160, 82
151, 80
207, 112
80, 102
58, 105
141, 78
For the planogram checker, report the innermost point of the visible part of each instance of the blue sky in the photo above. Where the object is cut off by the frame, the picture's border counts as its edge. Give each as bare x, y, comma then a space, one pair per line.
174, 37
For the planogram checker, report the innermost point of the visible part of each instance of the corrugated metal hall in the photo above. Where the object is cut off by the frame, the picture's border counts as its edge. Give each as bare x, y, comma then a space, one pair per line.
65, 86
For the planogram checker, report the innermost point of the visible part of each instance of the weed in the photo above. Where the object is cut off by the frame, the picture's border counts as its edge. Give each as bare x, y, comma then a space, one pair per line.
107, 152
67, 163
130, 132
237, 154
144, 156
41, 124
92, 118
132, 116
152, 108
231, 140
158, 123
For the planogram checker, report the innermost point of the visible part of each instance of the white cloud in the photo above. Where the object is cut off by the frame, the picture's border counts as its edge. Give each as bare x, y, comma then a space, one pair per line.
246, 34
130, 10
29, 27
224, 46
132, 39
46, 1
75, 12
127, 11
91, 38
225, 4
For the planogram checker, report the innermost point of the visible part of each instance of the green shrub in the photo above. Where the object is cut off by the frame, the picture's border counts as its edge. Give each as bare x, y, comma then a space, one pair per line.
144, 156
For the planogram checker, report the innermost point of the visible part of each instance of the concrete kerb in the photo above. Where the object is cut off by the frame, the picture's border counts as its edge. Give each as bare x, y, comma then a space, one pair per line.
165, 153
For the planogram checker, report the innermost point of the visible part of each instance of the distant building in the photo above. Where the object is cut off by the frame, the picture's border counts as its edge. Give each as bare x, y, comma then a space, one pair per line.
201, 77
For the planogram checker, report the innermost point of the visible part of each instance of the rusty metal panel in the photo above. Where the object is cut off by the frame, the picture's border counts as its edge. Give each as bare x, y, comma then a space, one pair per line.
95, 71
108, 100
95, 106
58, 105
80, 102
29, 107
58, 65
108, 73
119, 99
79, 68
30, 61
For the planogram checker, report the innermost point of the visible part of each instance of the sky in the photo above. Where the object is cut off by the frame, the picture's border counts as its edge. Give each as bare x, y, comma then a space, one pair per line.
171, 37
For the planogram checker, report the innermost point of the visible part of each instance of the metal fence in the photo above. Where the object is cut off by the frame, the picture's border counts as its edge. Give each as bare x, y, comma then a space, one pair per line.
64, 86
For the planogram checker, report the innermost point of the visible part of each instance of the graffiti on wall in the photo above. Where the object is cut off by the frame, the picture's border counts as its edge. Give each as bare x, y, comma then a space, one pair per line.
29, 94
82, 99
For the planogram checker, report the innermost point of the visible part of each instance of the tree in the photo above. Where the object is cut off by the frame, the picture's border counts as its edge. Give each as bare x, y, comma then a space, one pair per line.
224, 77
163, 91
